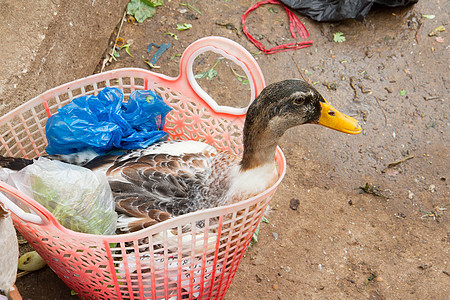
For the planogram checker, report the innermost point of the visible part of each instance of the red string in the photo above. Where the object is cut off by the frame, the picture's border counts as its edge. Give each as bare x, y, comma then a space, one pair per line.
294, 25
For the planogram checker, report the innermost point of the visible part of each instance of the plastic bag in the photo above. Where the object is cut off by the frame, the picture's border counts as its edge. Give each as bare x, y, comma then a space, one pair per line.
105, 122
332, 10
80, 199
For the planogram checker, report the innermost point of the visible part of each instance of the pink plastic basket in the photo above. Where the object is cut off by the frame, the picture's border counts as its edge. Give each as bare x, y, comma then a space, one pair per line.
163, 261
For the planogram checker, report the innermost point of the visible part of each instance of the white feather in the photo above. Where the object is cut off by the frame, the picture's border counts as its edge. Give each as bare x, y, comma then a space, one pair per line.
254, 180
178, 148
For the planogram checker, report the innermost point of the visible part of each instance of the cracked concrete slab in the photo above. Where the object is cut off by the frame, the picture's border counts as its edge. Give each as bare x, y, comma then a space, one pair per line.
47, 43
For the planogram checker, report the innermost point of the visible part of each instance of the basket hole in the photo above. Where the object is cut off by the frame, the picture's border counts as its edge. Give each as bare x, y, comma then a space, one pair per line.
139, 82
101, 85
76, 92
126, 91
126, 81
89, 89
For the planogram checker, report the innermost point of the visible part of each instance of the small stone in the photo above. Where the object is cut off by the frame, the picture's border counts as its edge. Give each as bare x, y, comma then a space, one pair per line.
294, 203
432, 188
275, 235
410, 195
275, 286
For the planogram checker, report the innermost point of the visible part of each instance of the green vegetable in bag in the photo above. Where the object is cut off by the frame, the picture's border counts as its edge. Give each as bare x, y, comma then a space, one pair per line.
80, 199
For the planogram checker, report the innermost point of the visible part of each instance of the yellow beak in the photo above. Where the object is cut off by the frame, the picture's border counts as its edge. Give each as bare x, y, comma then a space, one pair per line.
332, 118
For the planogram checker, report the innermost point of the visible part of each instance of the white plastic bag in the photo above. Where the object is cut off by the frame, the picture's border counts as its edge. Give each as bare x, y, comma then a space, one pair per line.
80, 199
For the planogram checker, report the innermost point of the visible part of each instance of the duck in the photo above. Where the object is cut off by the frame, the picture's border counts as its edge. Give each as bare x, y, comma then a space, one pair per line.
173, 178
9, 256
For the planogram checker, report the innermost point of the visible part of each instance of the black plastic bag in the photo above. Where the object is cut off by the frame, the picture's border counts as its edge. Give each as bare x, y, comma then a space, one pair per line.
337, 10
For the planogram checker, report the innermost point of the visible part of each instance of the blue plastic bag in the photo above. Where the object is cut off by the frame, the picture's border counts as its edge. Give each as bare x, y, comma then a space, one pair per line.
105, 122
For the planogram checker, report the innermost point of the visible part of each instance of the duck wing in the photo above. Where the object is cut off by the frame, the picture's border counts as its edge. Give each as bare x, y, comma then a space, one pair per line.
170, 179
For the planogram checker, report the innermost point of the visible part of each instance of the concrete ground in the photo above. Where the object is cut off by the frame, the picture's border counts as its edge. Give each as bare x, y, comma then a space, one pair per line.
50, 42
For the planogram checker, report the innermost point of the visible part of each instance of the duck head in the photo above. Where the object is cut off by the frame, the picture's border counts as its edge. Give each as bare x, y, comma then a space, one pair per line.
283, 105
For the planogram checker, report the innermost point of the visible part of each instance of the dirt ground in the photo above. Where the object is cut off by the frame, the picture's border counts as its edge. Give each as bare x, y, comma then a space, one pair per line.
390, 242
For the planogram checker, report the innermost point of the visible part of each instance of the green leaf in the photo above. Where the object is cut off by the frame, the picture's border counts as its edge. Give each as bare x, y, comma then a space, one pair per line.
73, 293
172, 35
175, 55
201, 75
435, 32
158, 2
255, 235
338, 37
143, 9
211, 74
184, 26
429, 16
116, 54
208, 74
264, 219
127, 49
402, 93
245, 82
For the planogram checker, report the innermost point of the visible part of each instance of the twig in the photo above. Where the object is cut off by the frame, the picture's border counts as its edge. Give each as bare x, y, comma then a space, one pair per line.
111, 55
371, 189
394, 163
436, 213
22, 274
352, 85
236, 74
382, 110
298, 68
432, 98
191, 7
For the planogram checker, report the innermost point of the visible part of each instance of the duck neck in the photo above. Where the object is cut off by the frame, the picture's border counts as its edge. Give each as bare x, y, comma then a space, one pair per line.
259, 148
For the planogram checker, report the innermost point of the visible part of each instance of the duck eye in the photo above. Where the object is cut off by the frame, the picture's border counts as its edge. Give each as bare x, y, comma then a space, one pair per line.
298, 101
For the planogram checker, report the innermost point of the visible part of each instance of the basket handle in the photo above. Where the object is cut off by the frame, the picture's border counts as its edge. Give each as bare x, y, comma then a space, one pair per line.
37, 218
228, 49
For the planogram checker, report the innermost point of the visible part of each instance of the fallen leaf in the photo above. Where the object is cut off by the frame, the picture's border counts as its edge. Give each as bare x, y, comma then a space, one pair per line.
436, 31
172, 35
338, 37
143, 9
185, 26
429, 16
127, 49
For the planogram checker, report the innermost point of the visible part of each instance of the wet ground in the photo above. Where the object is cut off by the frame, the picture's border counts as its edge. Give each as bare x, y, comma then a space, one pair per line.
388, 241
